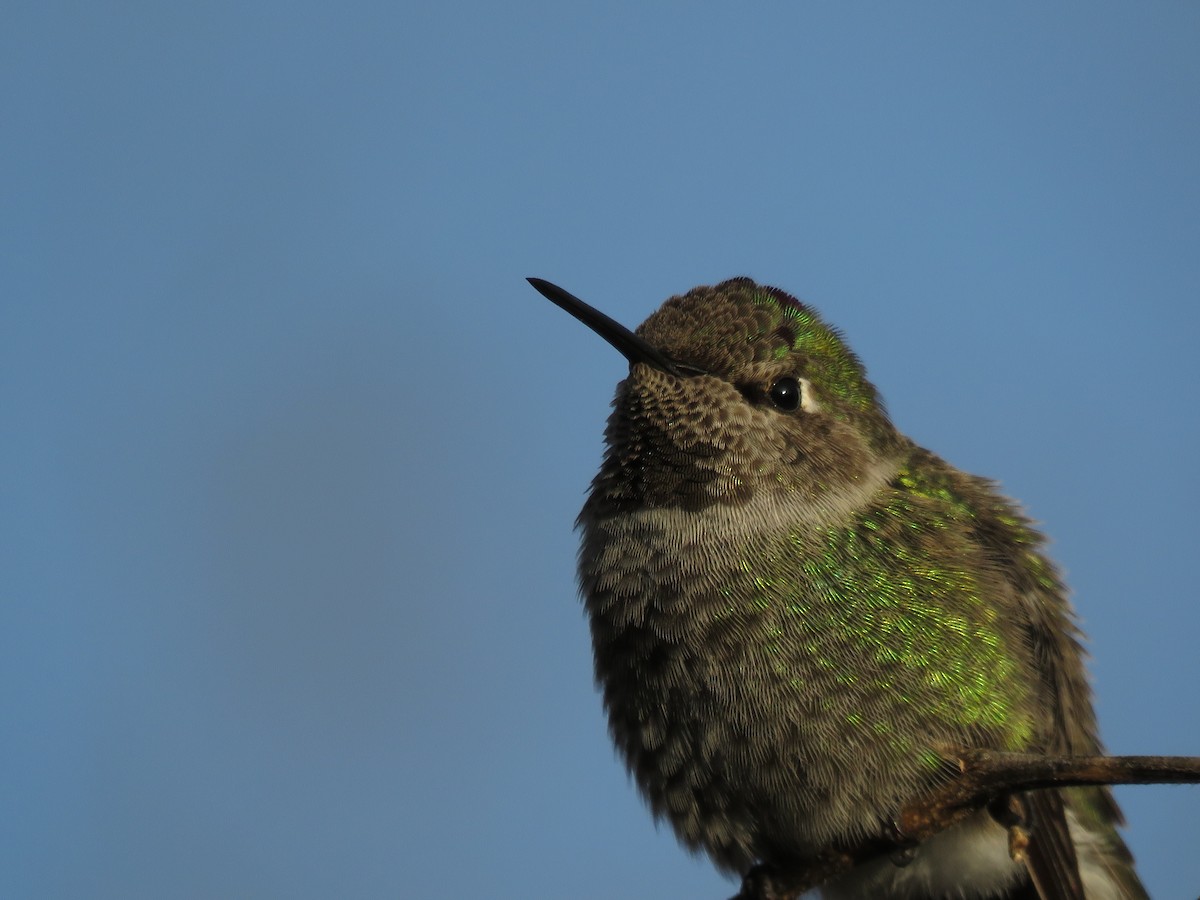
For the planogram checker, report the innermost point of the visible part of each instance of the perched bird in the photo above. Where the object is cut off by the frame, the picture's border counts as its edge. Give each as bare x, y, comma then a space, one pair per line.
799, 616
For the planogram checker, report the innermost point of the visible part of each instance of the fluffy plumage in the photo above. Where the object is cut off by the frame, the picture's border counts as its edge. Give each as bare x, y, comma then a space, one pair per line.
798, 615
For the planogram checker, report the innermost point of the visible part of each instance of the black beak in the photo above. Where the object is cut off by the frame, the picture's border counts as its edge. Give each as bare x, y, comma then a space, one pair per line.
632, 347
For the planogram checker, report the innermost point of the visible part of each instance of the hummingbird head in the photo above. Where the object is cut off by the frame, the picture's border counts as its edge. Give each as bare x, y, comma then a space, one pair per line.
733, 389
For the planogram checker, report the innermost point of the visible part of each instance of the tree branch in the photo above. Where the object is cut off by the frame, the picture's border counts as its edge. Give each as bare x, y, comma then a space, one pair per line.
984, 777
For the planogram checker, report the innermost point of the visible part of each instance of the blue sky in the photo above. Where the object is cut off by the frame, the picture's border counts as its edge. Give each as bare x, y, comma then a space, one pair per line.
292, 452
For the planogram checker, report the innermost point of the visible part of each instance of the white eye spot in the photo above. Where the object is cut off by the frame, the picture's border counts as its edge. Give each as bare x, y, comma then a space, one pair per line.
808, 397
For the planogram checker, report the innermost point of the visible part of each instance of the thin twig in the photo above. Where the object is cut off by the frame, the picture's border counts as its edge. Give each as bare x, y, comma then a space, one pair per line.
984, 776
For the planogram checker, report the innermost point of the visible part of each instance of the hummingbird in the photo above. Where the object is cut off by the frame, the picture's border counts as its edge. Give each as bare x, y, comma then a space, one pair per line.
800, 617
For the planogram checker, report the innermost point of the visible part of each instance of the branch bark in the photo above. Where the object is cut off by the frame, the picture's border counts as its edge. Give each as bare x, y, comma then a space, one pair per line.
985, 776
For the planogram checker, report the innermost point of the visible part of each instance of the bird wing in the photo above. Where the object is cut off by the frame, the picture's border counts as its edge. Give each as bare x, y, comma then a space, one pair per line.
1049, 852
1057, 820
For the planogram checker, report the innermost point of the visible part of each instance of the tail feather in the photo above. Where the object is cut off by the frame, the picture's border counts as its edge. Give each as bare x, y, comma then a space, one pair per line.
1105, 863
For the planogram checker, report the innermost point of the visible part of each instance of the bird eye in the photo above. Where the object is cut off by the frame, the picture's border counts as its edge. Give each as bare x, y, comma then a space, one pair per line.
785, 393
